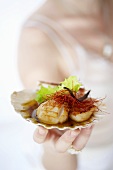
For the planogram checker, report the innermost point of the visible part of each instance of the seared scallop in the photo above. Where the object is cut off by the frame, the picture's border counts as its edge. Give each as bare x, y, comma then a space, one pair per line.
51, 113
82, 116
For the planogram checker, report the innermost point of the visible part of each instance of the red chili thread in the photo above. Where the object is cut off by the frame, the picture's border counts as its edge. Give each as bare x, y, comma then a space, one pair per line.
63, 97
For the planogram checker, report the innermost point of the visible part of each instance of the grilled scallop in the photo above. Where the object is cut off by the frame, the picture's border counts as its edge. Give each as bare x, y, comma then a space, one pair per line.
83, 116
50, 112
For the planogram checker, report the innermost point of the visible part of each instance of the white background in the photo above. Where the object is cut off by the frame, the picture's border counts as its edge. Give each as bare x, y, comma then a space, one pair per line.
17, 148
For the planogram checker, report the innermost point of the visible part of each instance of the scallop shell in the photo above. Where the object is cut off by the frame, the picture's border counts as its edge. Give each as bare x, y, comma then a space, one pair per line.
25, 104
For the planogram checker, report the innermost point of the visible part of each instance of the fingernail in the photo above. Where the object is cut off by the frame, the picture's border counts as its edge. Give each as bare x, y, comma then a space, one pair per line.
41, 131
74, 133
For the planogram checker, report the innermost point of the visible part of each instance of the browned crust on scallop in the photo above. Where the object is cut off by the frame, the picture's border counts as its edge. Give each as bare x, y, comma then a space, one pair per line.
80, 117
49, 112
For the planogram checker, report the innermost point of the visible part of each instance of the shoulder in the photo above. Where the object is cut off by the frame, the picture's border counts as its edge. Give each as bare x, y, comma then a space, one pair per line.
36, 33
33, 35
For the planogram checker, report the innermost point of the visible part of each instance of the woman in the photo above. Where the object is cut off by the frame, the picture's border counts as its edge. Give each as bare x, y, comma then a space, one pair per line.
72, 37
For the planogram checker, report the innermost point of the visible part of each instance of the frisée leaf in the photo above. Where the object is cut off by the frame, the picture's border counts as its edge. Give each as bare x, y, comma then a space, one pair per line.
72, 83
43, 92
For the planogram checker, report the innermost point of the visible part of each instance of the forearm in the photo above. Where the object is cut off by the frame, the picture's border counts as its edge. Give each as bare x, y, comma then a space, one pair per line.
52, 160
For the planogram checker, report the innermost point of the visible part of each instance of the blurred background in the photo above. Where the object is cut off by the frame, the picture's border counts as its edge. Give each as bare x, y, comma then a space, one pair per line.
17, 148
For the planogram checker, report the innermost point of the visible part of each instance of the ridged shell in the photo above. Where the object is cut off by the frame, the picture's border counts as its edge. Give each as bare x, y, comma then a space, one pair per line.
25, 104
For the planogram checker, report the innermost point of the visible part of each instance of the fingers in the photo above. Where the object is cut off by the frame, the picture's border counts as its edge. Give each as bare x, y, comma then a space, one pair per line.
63, 143
40, 134
82, 139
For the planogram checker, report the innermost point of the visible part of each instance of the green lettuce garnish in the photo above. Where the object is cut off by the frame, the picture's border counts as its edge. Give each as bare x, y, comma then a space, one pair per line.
72, 83
43, 92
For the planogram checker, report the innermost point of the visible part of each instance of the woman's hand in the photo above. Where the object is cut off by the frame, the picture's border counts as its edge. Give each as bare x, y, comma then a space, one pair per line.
60, 141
